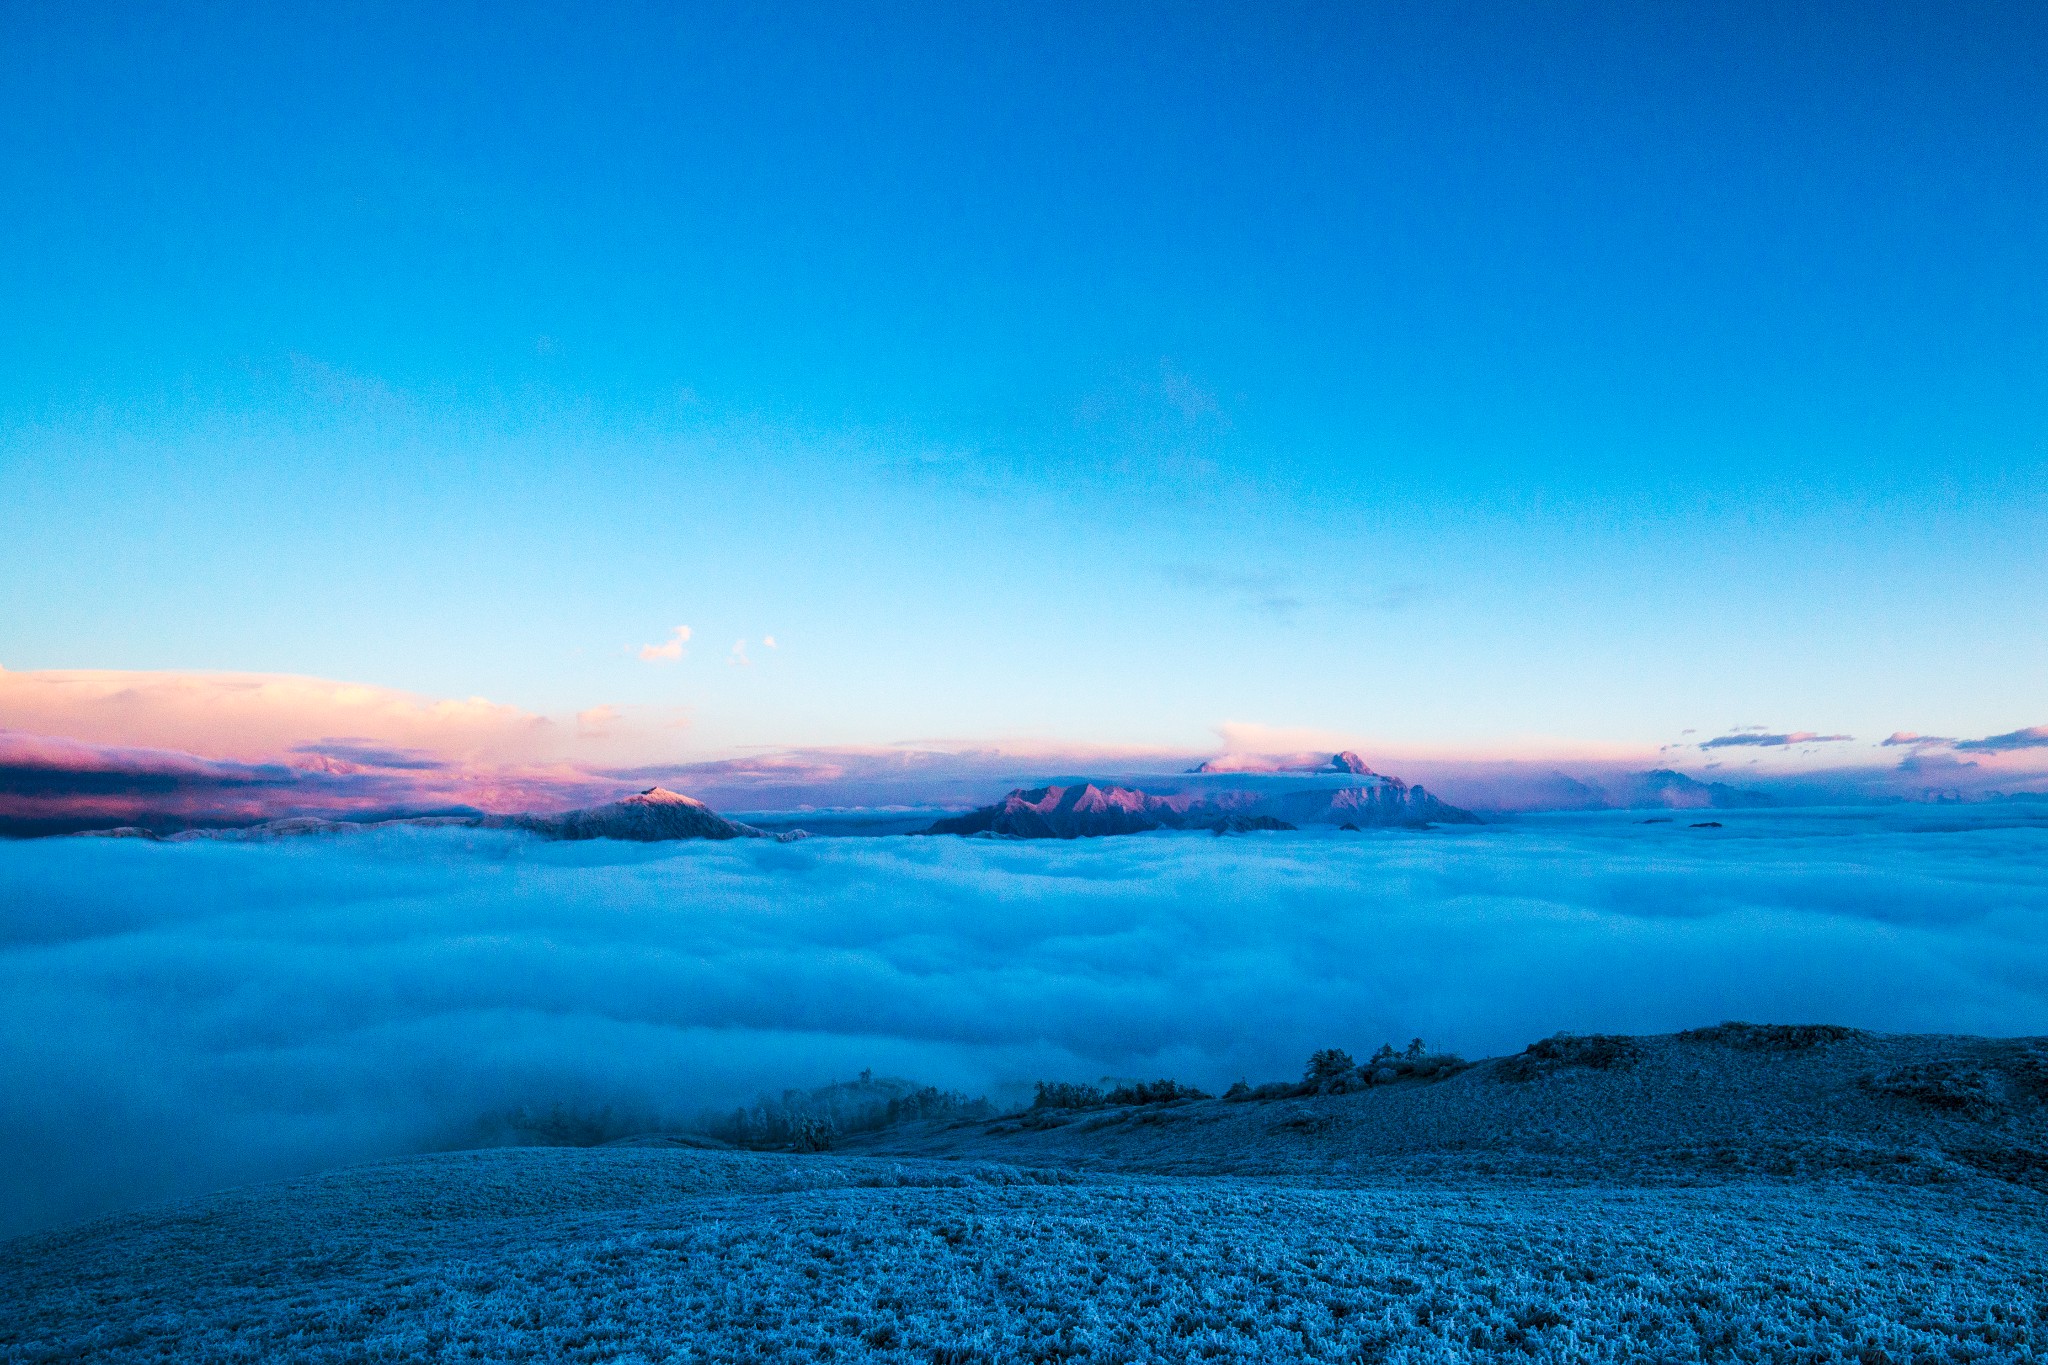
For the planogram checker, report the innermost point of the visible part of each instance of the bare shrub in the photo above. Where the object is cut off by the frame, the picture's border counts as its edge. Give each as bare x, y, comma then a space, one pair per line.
1955, 1086
1598, 1051
1154, 1092
1770, 1037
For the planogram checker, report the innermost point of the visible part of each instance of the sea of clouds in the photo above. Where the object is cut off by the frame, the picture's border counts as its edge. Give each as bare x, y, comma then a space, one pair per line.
180, 1017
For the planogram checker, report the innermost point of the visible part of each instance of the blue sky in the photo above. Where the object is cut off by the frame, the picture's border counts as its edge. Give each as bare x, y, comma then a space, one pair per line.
1444, 374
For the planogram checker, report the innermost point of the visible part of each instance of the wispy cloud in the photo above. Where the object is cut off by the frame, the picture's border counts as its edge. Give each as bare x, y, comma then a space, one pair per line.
1193, 400
1907, 739
1262, 591
670, 649
364, 754
263, 717
2012, 741
739, 654
1396, 596
1276, 594
1752, 739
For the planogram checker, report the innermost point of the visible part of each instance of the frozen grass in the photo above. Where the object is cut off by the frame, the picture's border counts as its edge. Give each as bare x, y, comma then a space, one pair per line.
1730, 1194
682, 1255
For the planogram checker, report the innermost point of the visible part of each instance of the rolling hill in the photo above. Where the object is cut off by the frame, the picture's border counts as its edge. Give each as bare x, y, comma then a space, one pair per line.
1736, 1193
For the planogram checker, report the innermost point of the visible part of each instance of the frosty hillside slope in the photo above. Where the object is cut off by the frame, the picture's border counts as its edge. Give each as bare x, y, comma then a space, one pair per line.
1866, 1199
1675, 1107
635, 1255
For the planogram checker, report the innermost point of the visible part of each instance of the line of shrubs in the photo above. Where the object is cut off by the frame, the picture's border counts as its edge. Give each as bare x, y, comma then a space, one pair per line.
1069, 1095
1331, 1071
811, 1121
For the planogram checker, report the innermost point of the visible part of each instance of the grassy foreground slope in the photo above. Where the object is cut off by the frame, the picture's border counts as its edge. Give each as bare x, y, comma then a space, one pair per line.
1704, 1105
1468, 1218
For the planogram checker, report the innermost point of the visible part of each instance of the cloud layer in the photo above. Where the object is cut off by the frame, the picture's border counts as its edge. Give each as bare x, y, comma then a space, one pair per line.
174, 1018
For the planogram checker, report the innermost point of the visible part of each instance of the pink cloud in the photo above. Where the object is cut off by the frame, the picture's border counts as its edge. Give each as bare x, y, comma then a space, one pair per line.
2013, 741
1270, 743
668, 651
260, 716
236, 747
51, 784
1750, 736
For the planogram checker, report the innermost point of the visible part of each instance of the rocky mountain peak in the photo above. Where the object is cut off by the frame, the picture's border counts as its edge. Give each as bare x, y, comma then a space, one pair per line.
662, 796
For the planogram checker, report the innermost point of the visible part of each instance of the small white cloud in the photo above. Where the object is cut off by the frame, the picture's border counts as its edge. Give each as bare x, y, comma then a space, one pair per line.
670, 650
596, 723
739, 654
768, 641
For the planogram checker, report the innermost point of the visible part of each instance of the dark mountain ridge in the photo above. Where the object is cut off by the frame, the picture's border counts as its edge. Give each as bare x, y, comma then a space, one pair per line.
1347, 794
652, 816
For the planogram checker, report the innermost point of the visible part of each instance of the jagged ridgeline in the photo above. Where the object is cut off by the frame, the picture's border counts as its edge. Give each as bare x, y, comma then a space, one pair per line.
1341, 793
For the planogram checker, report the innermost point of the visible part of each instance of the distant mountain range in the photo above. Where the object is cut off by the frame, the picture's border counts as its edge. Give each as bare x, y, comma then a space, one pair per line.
1351, 796
653, 816
1340, 792
1667, 790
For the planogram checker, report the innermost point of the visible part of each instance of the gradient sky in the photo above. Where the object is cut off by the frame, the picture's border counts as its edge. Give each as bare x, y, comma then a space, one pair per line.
1449, 374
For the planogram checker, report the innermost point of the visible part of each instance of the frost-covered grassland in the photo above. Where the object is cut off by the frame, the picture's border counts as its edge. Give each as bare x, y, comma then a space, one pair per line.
677, 1255
181, 1018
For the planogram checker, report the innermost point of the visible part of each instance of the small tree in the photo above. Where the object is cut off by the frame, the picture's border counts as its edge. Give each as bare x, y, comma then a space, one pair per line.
1327, 1065
1415, 1048
1066, 1095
